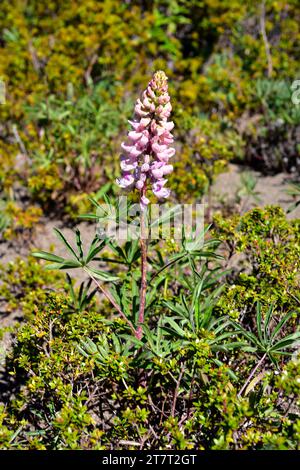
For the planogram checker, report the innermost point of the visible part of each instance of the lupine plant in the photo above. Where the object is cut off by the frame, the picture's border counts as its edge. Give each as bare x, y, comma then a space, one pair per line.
146, 159
144, 164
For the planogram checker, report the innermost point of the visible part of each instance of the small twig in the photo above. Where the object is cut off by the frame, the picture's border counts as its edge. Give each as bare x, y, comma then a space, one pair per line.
50, 335
177, 391
19, 140
129, 443
112, 301
265, 38
87, 73
153, 432
34, 57
190, 394
293, 297
252, 374
156, 408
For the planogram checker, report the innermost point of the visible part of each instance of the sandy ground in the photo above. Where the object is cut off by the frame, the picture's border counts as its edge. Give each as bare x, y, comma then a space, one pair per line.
271, 189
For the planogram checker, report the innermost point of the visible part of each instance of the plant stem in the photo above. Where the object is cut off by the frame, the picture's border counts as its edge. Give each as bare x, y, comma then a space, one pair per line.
176, 392
143, 243
112, 301
252, 374
265, 38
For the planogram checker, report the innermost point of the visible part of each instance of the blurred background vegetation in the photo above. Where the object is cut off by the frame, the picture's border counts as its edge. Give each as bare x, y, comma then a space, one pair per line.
73, 68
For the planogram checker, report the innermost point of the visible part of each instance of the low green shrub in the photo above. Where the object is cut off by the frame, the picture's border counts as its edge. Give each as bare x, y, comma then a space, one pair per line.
77, 378
264, 247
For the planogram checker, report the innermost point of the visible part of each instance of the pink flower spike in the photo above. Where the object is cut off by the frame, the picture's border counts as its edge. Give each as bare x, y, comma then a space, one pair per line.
128, 164
131, 150
169, 125
161, 193
145, 161
167, 169
134, 135
126, 180
157, 173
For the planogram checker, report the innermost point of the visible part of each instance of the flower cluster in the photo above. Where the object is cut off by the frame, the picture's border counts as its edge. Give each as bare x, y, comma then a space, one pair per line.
146, 154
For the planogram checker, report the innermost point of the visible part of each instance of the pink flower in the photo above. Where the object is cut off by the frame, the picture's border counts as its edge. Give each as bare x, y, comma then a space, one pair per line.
146, 153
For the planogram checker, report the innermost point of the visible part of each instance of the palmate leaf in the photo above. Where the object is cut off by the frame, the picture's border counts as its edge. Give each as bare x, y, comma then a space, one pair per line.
174, 327
264, 341
61, 236
79, 261
267, 323
101, 275
95, 248
194, 247
280, 325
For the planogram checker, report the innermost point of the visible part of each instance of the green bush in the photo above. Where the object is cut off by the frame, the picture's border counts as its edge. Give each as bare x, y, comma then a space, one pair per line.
267, 248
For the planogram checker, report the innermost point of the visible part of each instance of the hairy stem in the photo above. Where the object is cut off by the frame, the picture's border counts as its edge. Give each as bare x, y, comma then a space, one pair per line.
143, 243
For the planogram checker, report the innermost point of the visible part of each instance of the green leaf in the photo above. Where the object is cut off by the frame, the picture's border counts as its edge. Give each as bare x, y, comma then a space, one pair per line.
288, 341
65, 242
66, 264
102, 275
95, 249
280, 325
72, 293
259, 321
79, 244
175, 327
47, 256
267, 322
